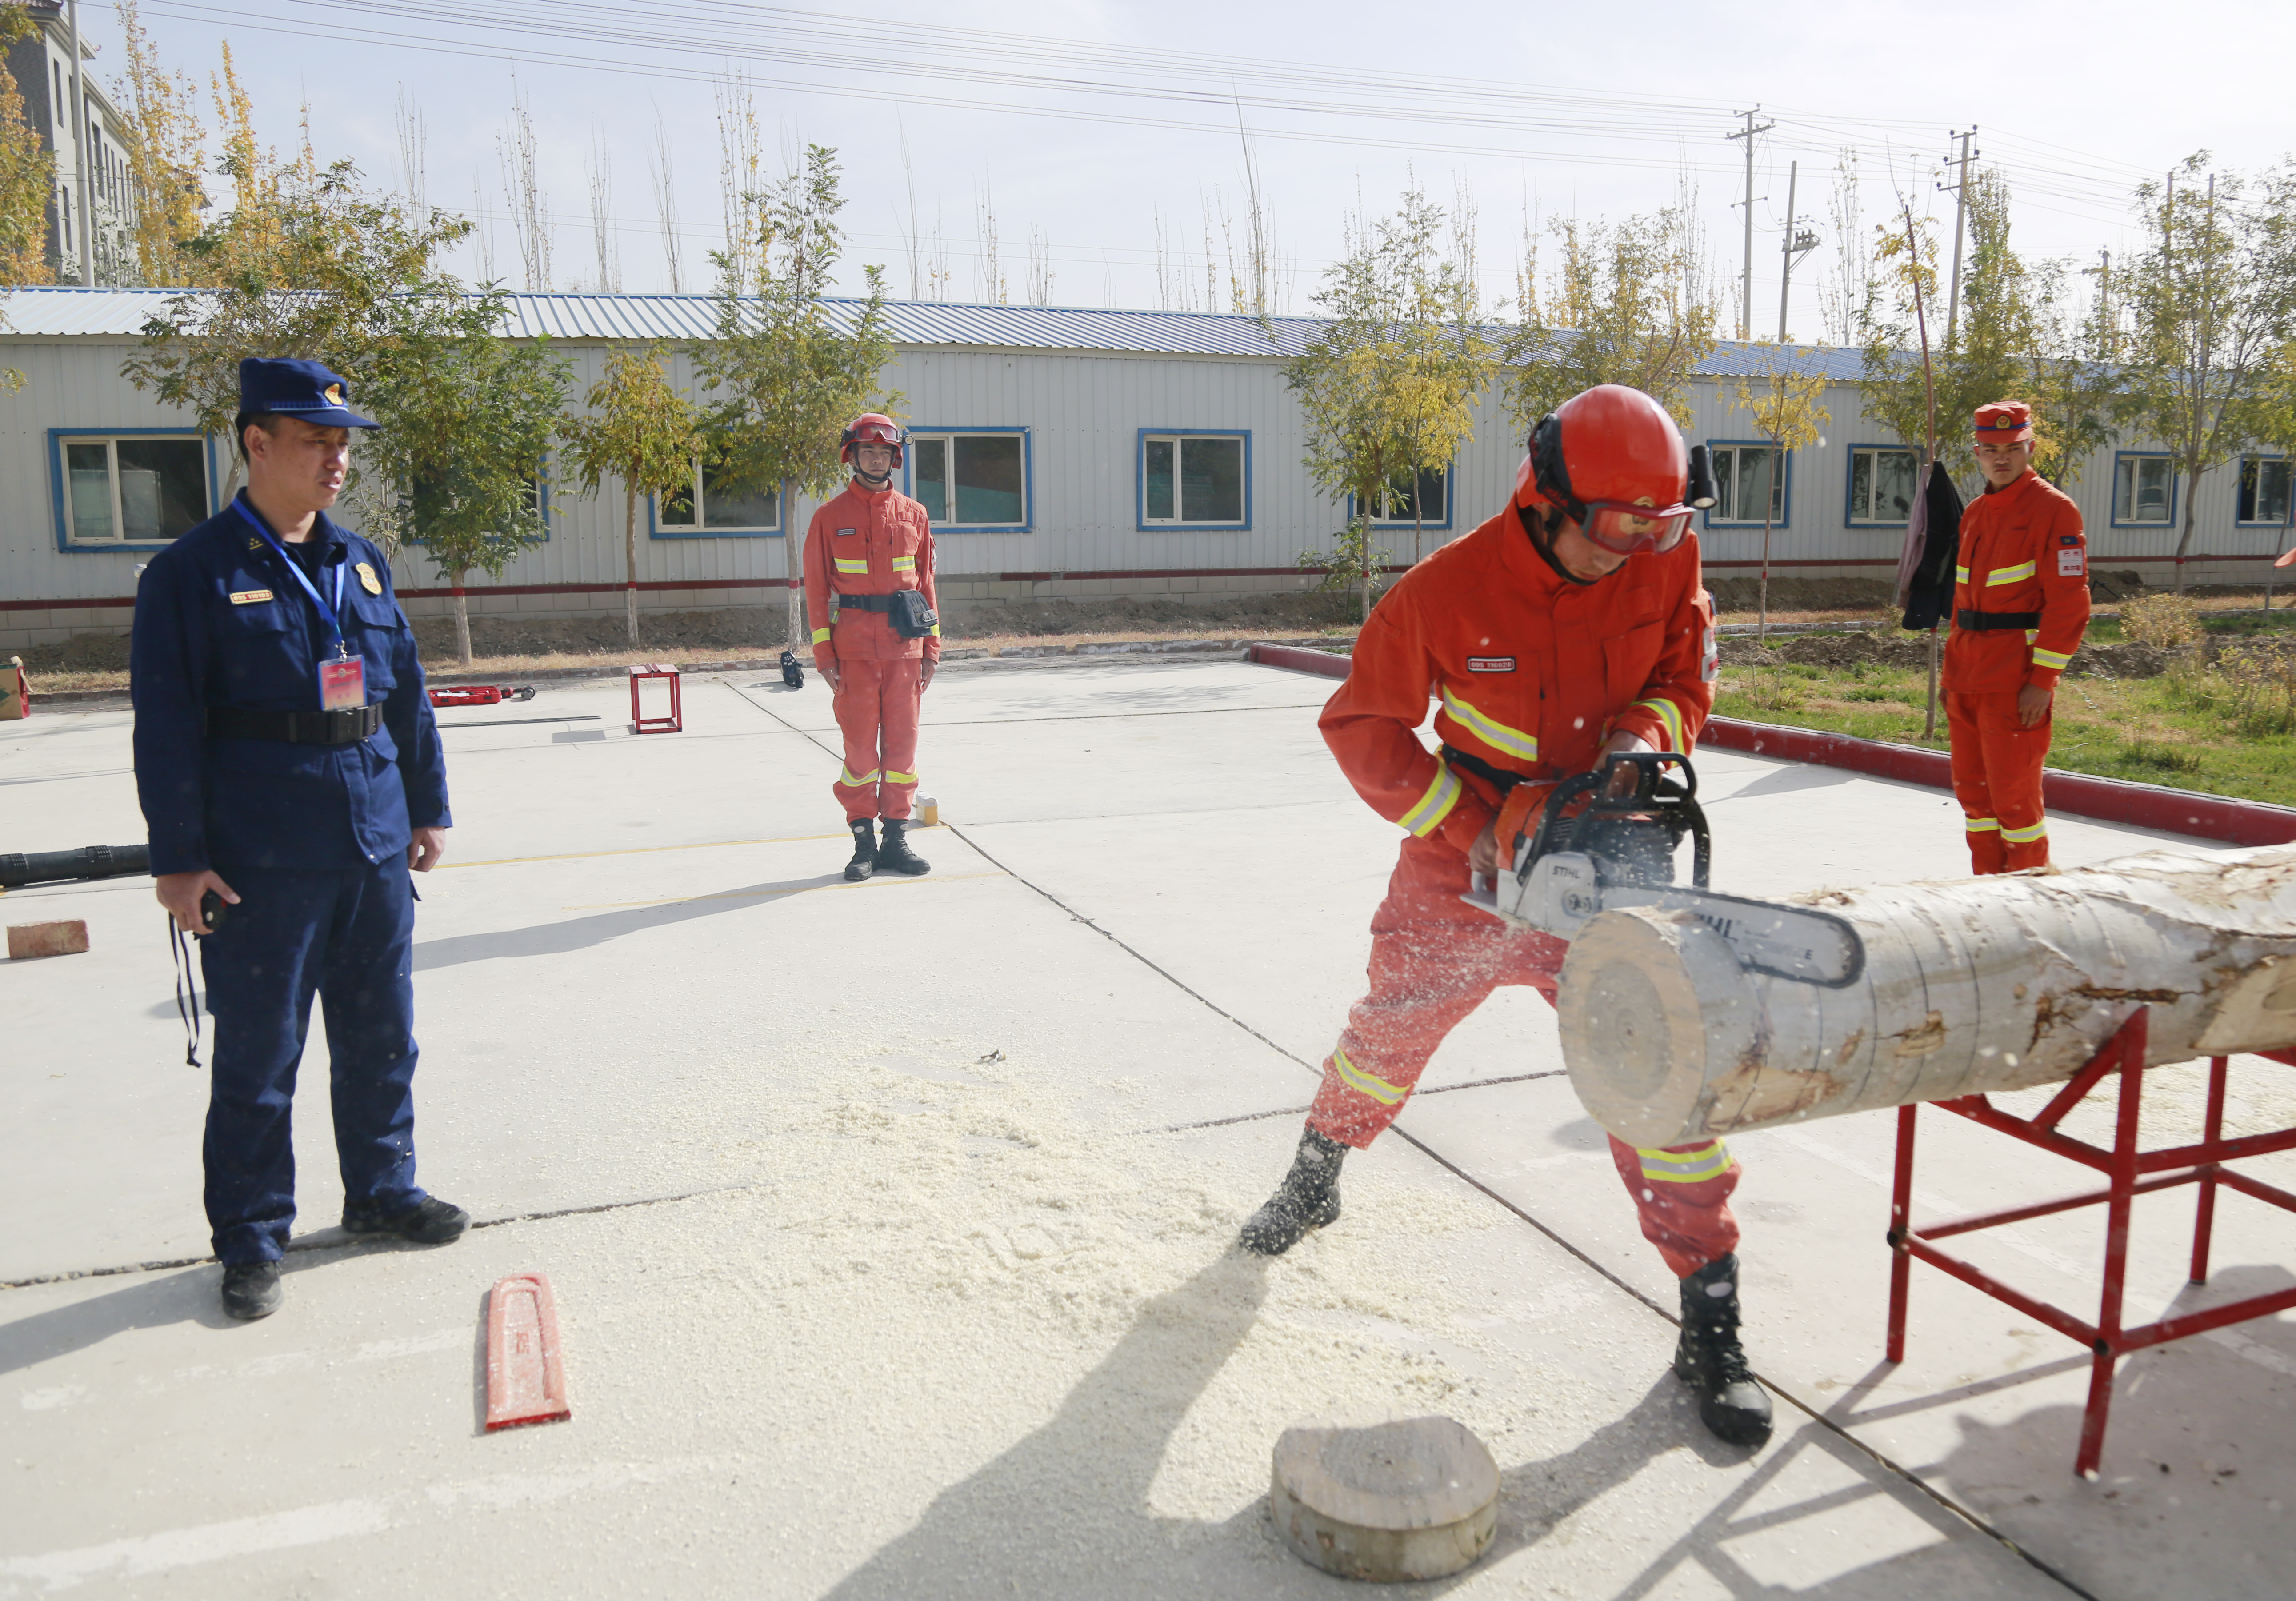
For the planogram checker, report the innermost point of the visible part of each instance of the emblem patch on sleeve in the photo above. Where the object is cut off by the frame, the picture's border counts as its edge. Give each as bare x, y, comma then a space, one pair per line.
249, 597
1490, 664
2071, 563
1710, 656
367, 580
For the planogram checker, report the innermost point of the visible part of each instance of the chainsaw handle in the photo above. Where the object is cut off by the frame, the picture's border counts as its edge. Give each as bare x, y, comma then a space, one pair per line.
1655, 791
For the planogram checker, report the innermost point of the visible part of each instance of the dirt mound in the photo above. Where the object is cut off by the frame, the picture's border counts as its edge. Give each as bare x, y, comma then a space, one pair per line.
1802, 594
1289, 612
1897, 651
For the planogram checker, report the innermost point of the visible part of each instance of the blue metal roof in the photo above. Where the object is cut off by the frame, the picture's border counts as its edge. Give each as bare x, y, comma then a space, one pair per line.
45, 313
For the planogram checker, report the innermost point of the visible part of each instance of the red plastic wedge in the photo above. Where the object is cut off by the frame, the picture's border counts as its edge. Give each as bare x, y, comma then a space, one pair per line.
526, 1372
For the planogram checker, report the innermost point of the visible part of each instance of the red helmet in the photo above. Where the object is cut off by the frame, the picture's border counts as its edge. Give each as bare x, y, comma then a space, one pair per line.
870, 427
1613, 462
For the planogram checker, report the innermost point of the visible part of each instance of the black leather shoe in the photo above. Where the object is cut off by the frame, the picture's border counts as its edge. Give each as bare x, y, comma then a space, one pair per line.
895, 854
433, 1222
1307, 1198
865, 851
252, 1290
1732, 1403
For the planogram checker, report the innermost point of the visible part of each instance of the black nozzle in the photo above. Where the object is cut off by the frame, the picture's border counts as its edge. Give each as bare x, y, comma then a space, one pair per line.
19, 868
1701, 494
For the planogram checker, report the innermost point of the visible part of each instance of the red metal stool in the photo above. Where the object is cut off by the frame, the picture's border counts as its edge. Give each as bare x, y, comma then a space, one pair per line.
675, 723
2129, 1172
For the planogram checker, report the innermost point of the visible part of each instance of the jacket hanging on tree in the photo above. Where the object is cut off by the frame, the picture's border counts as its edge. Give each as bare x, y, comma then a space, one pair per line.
1925, 576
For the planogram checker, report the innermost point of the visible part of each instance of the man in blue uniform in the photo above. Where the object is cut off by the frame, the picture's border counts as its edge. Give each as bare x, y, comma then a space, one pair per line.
290, 771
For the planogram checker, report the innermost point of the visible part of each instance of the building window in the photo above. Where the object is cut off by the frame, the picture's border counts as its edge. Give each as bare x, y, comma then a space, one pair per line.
2143, 490
1425, 503
2264, 490
1881, 486
973, 478
1746, 478
1194, 480
132, 489
706, 509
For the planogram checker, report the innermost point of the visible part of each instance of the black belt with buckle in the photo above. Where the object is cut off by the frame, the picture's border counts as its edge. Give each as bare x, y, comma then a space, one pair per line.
344, 728
1981, 622
865, 602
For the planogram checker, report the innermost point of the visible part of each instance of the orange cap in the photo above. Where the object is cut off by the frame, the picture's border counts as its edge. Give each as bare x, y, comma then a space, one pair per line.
2005, 422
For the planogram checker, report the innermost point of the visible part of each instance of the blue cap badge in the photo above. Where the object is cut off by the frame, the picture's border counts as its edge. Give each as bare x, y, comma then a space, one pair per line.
296, 389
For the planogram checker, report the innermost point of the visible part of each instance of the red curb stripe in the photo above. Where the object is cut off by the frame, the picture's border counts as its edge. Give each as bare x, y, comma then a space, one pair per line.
1321, 663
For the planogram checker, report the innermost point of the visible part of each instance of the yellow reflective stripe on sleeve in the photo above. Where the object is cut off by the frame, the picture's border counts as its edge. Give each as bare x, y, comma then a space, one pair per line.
843, 565
2032, 634
2009, 575
2026, 836
1981, 825
821, 637
934, 632
1670, 715
1436, 804
1686, 1167
1378, 1088
1514, 742
845, 776
893, 777
1961, 575
905, 563
2056, 660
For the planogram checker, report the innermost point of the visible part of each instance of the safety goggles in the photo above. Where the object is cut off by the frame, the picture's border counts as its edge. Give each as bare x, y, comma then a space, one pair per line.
876, 433
1626, 529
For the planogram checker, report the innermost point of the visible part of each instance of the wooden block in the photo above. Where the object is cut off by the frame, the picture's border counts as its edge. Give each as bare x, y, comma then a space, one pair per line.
29, 940
525, 1373
1392, 1502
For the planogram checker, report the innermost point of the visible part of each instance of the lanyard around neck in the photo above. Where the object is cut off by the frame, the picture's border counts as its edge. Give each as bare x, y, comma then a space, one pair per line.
331, 614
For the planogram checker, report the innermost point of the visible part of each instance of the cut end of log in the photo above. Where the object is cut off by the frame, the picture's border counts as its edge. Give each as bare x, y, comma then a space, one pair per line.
1390, 1502
1635, 1006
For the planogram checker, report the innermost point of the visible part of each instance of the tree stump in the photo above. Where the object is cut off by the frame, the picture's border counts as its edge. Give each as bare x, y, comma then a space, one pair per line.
1982, 984
1391, 1502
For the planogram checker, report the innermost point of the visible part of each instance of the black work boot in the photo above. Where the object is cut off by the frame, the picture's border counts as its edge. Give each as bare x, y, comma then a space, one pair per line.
865, 851
1307, 1198
1732, 1403
252, 1290
430, 1221
895, 854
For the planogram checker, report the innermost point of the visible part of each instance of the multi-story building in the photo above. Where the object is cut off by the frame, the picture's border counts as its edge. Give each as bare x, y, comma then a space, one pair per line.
95, 140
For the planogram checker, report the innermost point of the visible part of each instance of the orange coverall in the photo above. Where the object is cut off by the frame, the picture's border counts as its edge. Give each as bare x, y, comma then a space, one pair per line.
1533, 674
872, 542
2021, 552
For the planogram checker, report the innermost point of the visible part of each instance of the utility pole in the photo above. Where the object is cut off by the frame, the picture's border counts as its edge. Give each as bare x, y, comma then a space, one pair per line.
2107, 344
1960, 187
1746, 290
86, 240
1798, 244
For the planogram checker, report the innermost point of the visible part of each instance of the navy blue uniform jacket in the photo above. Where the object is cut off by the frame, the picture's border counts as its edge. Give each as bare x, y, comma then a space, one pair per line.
225, 803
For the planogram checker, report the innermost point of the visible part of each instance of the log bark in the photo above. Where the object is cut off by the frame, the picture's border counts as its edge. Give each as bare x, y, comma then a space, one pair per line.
1982, 984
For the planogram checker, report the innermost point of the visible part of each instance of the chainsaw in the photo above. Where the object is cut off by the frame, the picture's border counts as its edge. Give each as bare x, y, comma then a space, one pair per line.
1618, 850
480, 695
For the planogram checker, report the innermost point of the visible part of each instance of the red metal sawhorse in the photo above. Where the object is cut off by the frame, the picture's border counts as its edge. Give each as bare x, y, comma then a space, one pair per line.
675, 723
2129, 1172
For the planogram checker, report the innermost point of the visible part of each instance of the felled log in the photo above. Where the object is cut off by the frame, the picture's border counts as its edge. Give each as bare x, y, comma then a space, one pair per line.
1982, 984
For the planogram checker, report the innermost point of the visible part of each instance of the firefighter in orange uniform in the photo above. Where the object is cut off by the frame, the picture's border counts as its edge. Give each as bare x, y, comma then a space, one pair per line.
1572, 624
2020, 604
876, 639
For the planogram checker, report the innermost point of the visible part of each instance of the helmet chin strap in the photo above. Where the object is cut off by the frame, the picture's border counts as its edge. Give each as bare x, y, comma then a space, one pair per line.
876, 481
1535, 527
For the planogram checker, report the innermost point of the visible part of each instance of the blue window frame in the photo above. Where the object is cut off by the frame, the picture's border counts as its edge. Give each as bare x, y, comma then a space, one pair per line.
129, 489
1883, 479
2264, 498
1743, 469
1193, 481
2144, 489
703, 512
971, 480
1394, 508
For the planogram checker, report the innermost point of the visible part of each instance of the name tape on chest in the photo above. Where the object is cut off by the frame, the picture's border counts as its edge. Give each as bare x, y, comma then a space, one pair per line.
847, 533
1490, 664
2072, 563
249, 597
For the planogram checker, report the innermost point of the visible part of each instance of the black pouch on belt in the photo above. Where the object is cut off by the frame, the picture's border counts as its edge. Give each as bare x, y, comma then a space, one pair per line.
911, 618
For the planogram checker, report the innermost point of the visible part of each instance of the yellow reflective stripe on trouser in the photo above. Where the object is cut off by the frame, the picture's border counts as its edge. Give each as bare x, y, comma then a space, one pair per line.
1436, 804
2009, 575
2026, 836
821, 637
893, 777
1686, 1167
845, 566
1981, 825
2056, 660
1378, 1088
845, 776
1514, 742
1669, 714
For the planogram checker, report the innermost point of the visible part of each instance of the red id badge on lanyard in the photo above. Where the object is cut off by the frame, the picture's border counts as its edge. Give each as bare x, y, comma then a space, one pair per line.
343, 684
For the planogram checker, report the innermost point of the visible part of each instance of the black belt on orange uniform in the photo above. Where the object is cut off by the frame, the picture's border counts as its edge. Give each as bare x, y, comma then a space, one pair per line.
864, 602
345, 727
1979, 623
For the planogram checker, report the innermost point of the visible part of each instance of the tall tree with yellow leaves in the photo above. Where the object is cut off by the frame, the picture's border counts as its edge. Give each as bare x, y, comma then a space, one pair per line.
164, 141
27, 171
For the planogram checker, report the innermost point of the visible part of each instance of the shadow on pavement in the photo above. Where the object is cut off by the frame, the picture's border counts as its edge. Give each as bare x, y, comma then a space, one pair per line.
158, 1301
579, 933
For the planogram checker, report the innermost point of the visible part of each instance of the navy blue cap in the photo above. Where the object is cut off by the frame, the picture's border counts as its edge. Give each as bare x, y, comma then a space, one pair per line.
296, 389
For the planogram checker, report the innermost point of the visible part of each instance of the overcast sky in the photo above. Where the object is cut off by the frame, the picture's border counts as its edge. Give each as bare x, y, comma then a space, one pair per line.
1087, 125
